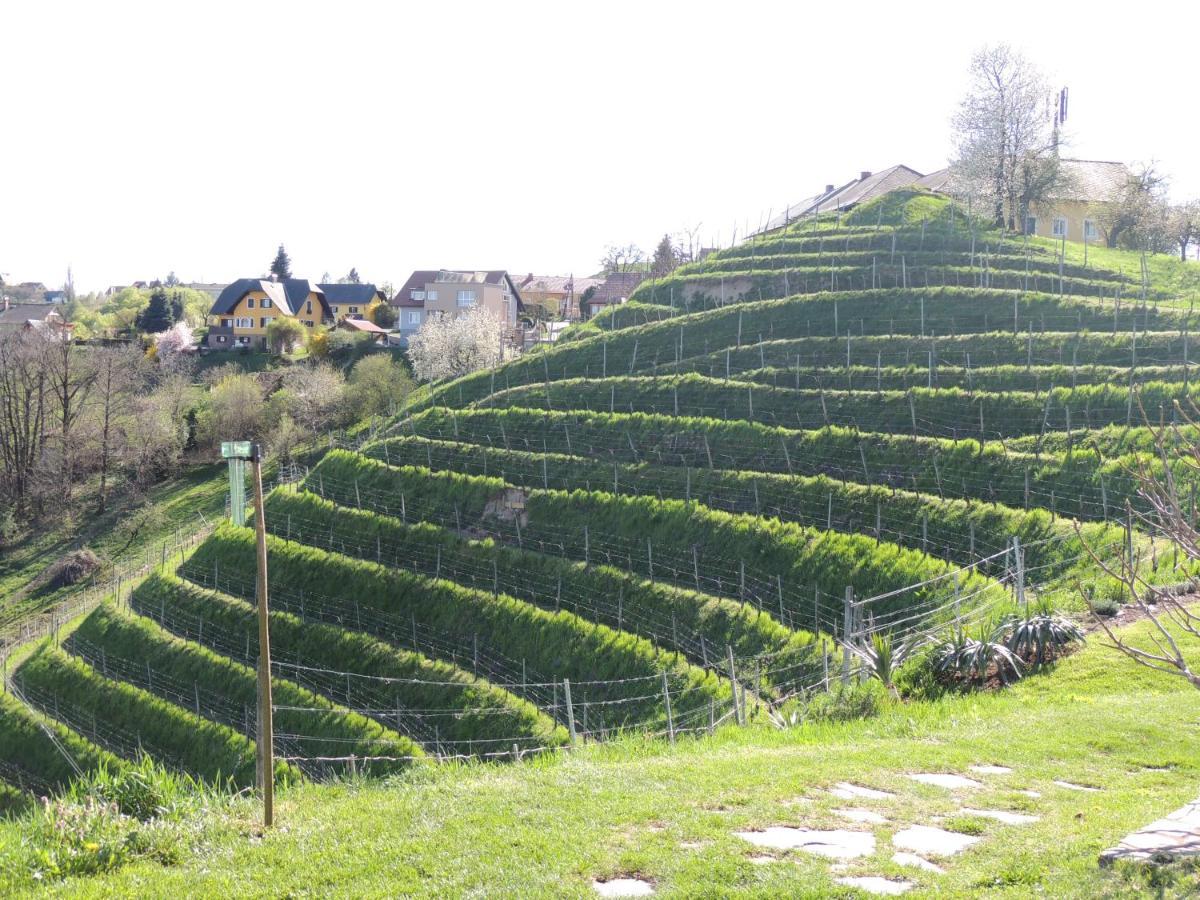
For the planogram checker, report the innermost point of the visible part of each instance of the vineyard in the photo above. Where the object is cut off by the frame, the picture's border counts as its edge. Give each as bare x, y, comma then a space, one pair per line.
704, 506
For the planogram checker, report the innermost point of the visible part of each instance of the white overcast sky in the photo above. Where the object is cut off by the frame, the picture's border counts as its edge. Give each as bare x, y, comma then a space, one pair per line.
137, 139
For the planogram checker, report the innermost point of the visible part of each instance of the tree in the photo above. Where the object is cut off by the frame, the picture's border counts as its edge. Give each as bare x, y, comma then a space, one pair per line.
281, 266
235, 409
350, 277
621, 258
175, 340
120, 377
314, 396
24, 399
378, 385
1007, 146
584, 298
450, 347
1130, 218
158, 315
284, 335
70, 376
172, 280
665, 258
1184, 225
382, 313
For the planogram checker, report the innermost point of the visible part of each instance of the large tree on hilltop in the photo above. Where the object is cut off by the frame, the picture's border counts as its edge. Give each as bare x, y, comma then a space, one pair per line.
281, 266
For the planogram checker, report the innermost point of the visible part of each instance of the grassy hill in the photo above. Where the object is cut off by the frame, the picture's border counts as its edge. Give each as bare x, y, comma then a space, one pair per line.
675, 519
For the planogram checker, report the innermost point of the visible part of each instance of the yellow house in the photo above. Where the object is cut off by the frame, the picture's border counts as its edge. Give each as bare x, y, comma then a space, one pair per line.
242, 312
1088, 186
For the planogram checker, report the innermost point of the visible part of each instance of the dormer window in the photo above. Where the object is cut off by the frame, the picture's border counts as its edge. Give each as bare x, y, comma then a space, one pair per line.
417, 295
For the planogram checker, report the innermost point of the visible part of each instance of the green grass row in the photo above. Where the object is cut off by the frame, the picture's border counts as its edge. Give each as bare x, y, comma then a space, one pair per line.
771, 556
958, 530
941, 311
307, 723
475, 711
559, 645
1083, 483
173, 735
698, 625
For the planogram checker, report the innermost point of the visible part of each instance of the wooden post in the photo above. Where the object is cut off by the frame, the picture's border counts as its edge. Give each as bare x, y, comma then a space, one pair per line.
1019, 562
570, 710
847, 626
266, 733
667, 703
739, 713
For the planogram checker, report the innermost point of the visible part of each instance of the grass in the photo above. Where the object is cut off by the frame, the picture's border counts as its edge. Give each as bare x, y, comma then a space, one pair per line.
667, 814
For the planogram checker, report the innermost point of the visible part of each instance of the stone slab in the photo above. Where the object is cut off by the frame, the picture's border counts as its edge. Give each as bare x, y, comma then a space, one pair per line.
932, 841
835, 844
1172, 837
623, 887
1071, 786
844, 790
902, 858
991, 770
868, 816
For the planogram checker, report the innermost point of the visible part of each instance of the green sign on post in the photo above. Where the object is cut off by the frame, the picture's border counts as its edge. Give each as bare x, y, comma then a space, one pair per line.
237, 452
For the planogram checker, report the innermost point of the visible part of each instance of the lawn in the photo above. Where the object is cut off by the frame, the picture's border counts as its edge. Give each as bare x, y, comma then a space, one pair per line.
640, 807
1167, 271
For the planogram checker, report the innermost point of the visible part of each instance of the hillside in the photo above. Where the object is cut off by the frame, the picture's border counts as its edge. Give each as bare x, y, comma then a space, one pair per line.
703, 508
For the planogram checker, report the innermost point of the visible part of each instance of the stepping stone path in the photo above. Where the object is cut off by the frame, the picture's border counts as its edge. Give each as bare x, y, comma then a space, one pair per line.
843, 790
1034, 794
991, 770
873, 884
862, 815
1000, 815
901, 858
1077, 787
945, 780
623, 887
836, 844
1174, 836
932, 841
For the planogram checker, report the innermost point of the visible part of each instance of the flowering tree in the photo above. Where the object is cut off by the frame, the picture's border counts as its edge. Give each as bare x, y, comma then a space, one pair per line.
176, 339
450, 347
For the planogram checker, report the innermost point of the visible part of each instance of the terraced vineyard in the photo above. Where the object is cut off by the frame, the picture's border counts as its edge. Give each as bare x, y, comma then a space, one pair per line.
681, 514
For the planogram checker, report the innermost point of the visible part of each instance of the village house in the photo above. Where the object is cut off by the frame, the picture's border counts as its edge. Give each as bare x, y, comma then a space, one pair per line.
351, 301
558, 295
40, 316
835, 198
242, 312
613, 290
430, 293
1087, 187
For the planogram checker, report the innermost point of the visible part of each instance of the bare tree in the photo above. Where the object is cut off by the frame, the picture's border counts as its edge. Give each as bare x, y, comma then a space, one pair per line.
621, 258
1007, 143
70, 377
687, 243
1161, 512
24, 400
120, 376
450, 347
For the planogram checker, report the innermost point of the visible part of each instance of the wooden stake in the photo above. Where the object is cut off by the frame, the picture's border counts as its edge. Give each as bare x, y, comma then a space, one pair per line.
266, 732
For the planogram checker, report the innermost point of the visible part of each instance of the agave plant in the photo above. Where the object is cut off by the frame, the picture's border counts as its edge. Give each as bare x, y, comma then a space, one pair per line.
970, 656
1041, 635
883, 657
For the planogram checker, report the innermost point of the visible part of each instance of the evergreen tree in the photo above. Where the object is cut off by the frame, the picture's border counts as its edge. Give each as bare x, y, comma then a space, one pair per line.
352, 277
157, 316
665, 258
176, 307
281, 267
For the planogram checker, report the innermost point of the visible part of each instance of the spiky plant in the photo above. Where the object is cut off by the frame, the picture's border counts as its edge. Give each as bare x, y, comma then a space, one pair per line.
1041, 635
883, 657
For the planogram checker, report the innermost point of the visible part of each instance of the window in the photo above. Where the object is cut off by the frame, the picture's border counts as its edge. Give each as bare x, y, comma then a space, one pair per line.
431, 296
308, 308
1060, 227
220, 339
243, 322
225, 323
418, 295
266, 303
466, 298
352, 309
262, 322
308, 324
1031, 224
249, 303
1089, 230
413, 317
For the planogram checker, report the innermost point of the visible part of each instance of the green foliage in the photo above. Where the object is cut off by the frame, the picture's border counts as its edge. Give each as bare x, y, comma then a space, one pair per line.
285, 335
379, 385
158, 314
474, 706
555, 644
1039, 636
281, 265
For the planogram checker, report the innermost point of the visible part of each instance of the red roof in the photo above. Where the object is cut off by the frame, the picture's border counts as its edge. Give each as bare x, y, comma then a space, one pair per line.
362, 325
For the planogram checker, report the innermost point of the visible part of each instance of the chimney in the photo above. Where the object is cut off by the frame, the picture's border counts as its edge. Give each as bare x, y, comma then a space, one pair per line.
864, 175
829, 188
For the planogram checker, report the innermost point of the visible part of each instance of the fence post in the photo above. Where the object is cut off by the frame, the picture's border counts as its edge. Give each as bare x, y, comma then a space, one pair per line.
739, 714
847, 627
1019, 562
667, 703
570, 710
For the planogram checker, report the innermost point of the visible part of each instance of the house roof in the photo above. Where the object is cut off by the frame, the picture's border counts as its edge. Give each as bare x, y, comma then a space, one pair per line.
289, 294
617, 286
361, 325
353, 294
1092, 180
867, 186
421, 277
557, 284
21, 313
941, 180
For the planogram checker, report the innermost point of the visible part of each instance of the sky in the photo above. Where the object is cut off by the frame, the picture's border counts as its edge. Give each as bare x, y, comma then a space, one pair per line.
139, 139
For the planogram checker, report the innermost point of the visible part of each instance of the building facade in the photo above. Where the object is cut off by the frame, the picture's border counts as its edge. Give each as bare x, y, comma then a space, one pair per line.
440, 293
244, 310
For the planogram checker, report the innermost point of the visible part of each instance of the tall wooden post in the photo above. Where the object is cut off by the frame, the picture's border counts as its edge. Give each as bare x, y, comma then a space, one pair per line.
266, 732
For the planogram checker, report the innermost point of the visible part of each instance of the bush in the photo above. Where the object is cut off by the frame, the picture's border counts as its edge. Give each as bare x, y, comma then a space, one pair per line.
285, 334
